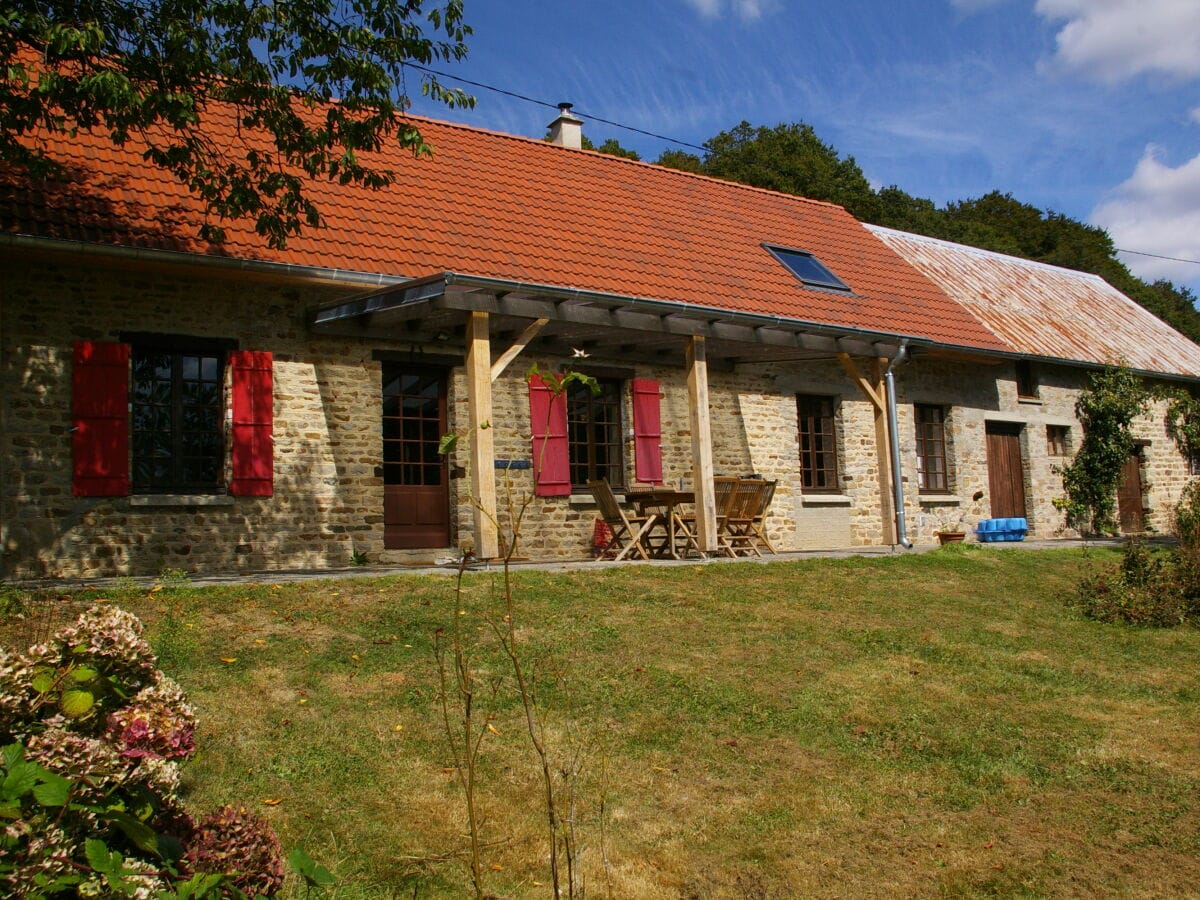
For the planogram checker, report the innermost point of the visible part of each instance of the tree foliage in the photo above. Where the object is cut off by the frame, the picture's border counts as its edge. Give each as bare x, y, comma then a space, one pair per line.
793, 160
1106, 411
323, 80
612, 147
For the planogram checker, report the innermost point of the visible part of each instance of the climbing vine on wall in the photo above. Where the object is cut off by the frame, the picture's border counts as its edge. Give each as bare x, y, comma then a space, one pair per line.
1106, 411
1183, 420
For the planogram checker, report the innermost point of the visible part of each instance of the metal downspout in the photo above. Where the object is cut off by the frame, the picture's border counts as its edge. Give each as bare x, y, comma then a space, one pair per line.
889, 379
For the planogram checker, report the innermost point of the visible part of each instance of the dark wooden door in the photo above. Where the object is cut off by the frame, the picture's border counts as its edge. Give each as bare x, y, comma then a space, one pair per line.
1129, 495
1006, 474
416, 492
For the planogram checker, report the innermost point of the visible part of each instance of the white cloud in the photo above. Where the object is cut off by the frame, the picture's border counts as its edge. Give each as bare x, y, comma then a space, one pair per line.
747, 10
1195, 114
1116, 39
1157, 210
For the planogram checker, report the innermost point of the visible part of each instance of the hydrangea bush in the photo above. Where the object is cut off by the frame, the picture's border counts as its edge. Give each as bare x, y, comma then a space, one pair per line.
93, 736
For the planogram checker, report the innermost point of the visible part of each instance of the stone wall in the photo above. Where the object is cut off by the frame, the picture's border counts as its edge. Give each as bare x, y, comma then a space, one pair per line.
328, 496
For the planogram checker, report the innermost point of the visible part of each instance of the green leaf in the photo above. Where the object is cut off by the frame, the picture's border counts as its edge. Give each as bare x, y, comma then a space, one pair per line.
13, 754
76, 702
43, 682
83, 674
20, 781
100, 859
447, 444
313, 873
199, 885
53, 791
142, 835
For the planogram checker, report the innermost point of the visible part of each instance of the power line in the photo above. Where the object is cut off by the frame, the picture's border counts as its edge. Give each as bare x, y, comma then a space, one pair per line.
1194, 262
663, 137
534, 100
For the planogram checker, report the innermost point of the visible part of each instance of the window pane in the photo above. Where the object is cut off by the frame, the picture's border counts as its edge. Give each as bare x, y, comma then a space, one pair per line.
931, 449
818, 443
176, 405
594, 442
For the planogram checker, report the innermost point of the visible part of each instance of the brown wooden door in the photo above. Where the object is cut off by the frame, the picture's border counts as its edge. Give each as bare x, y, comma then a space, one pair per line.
416, 493
1129, 495
1006, 474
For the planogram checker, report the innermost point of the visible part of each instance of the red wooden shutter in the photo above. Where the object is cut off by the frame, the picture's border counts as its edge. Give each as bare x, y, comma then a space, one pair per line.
647, 431
100, 415
253, 411
548, 420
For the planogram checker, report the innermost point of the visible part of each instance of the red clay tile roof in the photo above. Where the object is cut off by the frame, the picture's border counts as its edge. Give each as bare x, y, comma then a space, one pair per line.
518, 209
1048, 311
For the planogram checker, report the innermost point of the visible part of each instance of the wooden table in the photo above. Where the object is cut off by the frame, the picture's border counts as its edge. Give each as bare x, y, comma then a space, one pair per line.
666, 502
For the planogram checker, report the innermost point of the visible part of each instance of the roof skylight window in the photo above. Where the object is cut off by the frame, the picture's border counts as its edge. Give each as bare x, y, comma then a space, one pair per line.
810, 270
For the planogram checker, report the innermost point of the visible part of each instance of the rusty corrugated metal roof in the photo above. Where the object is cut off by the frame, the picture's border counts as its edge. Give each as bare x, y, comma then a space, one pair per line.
1048, 311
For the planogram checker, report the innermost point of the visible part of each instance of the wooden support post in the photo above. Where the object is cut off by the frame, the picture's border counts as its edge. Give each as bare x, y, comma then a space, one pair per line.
883, 453
702, 464
482, 444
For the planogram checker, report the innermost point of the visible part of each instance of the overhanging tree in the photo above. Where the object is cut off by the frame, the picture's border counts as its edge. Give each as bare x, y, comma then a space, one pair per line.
311, 84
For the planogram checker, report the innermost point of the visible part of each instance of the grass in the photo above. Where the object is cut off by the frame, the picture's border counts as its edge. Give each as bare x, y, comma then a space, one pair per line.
934, 725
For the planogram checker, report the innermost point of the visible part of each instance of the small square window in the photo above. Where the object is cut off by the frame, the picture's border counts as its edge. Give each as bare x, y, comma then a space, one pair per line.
1057, 440
810, 270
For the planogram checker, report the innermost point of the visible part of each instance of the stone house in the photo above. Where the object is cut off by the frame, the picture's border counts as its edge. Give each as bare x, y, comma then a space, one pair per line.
172, 404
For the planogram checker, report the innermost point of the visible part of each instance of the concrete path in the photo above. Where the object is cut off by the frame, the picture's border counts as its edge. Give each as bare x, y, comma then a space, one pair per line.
282, 576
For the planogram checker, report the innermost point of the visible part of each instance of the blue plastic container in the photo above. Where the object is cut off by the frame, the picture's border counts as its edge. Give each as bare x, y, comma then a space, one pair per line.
991, 531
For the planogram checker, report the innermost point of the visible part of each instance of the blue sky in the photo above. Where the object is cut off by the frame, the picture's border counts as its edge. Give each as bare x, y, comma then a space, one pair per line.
1087, 107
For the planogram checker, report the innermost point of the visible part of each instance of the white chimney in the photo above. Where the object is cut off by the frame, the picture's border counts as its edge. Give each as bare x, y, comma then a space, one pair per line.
567, 129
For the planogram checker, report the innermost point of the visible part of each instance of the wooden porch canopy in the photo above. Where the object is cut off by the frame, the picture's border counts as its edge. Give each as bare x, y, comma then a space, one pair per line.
466, 313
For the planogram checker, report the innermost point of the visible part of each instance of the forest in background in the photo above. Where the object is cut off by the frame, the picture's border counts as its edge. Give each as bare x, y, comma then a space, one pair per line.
791, 158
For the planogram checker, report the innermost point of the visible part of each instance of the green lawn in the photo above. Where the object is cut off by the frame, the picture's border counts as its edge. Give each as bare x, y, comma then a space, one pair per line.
933, 725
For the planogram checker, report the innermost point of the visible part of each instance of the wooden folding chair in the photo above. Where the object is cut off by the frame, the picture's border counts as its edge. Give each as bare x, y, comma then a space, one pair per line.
628, 532
739, 521
723, 496
766, 493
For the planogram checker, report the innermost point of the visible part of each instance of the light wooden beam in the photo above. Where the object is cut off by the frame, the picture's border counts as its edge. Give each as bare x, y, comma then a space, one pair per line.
482, 444
875, 396
522, 341
883, 453
702, 456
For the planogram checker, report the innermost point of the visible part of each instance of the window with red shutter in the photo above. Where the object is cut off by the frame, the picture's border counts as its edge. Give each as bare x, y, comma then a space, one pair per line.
100, 417
647, 431
548, 422
253, 413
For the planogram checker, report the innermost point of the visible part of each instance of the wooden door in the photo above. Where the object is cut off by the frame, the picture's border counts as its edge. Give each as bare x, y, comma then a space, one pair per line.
1129, 495
416, 491
1006, 474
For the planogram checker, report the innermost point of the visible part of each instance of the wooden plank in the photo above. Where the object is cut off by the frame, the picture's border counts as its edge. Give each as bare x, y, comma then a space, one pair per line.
480, 437
522, 341
524, 307
702, 461
883, 454
865, 386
